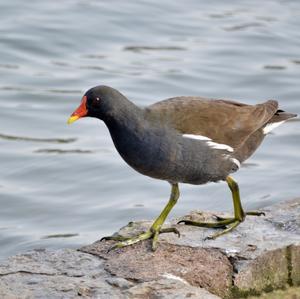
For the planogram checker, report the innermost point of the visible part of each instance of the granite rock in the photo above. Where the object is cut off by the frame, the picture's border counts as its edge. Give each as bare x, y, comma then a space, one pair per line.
262, 254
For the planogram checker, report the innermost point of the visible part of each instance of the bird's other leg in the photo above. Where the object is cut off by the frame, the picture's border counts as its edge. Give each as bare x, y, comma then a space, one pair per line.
156, 227
228, 223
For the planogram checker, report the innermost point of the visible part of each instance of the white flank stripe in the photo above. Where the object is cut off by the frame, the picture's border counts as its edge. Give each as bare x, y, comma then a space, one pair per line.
209, 142
220, 146
269, 127
198, 137
171, 276
236, 161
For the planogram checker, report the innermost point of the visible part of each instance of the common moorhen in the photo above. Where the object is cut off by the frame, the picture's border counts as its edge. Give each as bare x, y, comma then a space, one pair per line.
190, 140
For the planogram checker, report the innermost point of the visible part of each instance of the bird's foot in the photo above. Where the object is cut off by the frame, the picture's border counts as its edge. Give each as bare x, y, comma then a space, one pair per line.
155, 229
227, 223
152, 233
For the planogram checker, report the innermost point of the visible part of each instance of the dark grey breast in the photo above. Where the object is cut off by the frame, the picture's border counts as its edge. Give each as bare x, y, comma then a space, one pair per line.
163, 153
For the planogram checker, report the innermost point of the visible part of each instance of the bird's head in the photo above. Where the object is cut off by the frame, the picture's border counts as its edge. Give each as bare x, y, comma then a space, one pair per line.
100, 102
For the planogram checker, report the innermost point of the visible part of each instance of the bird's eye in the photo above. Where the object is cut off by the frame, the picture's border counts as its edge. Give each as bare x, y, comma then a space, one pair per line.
95, 102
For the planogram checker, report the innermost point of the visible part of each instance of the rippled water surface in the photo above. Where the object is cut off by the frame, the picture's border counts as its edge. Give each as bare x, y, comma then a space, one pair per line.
66, 185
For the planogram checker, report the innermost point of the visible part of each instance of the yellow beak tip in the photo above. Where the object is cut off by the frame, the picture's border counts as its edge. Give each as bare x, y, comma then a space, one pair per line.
72, 119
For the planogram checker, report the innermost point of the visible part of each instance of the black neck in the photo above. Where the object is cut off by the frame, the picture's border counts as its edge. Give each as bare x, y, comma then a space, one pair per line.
124, 114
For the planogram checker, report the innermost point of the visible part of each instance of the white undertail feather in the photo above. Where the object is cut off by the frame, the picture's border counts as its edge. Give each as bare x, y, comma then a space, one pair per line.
271, 126
209, 142
236, 162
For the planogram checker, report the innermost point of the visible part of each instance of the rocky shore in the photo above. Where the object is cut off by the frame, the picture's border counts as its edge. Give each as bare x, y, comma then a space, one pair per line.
261, 255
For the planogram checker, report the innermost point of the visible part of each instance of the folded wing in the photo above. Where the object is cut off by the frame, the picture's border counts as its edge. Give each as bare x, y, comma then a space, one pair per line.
223, 121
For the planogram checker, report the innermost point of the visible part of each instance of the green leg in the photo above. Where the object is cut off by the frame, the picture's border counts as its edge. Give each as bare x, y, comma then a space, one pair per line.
239, 213
228, 223
156, 227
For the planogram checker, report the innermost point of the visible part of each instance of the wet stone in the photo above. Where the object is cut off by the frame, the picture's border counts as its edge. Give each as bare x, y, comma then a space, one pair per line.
262, 254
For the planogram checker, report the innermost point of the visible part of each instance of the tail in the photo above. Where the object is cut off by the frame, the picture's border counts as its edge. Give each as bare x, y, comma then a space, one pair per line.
277, 119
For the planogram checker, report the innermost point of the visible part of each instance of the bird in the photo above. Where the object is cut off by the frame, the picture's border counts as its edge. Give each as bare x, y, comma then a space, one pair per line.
184, 139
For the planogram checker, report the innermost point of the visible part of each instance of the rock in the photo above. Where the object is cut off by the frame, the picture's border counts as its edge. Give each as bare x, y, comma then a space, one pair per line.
262, 254
72, 274
294, 260
55, 274
173, 288
290, 293
197, 266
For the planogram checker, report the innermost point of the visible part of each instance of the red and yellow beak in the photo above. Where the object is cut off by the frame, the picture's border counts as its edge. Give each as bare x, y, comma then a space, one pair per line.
81, 111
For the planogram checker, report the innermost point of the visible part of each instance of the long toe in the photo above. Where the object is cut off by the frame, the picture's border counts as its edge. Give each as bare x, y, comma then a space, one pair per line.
219, 224
230, 227
114, 238
152, 233
133, 240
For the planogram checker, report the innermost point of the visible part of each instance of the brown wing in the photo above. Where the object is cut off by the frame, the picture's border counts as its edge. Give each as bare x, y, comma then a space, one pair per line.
223, 121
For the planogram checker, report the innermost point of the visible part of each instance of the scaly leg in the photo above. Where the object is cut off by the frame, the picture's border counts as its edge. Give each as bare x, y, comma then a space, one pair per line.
228, 223
155, 229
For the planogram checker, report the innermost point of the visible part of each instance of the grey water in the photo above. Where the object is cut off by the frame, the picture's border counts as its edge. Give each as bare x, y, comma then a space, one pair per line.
65, 186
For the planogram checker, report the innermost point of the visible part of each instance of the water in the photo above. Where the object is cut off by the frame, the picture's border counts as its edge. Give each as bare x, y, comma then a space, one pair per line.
65, 186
